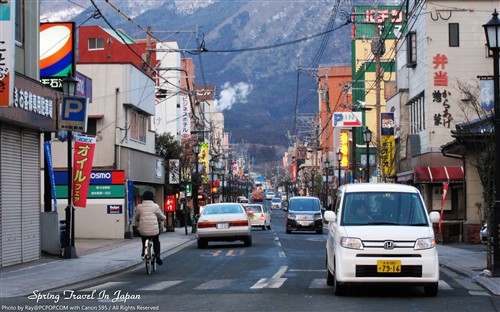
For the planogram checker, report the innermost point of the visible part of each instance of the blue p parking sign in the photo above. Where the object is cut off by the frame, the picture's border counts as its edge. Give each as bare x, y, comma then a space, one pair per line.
74, 114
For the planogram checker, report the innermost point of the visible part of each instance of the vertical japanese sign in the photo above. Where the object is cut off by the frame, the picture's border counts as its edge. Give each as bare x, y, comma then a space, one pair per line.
82, 167
441, 80
388, 146
48, 156
6, 53
487, 100
185, 119
169, 204
173, 171
203, 158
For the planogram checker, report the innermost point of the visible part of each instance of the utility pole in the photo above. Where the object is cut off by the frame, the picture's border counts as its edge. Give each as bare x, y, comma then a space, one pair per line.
377, 49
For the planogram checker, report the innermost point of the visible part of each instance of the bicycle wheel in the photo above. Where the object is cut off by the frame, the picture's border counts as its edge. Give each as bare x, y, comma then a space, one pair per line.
148, 257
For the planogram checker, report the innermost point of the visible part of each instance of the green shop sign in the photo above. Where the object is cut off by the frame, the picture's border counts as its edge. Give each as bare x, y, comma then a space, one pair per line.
96, 191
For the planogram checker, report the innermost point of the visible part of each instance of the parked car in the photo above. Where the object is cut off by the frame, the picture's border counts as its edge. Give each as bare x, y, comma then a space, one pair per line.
304, 214
224, 222
276, 203
269, 195
381, 233
242, 200
259, 215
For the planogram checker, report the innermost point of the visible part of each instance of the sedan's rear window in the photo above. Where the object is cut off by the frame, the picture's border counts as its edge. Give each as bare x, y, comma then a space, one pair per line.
255, 208
372, 208
222, 209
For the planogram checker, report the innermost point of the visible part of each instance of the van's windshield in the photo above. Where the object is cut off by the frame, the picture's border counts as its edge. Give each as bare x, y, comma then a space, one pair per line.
304, 204
373, 208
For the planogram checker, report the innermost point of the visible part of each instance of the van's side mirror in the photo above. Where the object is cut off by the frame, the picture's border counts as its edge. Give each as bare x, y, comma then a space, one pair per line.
434, 216
330, 216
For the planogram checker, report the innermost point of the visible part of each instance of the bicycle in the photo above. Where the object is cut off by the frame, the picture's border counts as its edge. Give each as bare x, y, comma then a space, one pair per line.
149, 256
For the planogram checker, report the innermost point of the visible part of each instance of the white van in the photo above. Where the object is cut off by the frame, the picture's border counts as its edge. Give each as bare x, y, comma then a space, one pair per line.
381, 233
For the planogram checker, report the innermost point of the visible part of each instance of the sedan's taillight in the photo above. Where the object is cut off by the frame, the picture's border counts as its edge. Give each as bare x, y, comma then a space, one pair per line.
202, 224
239, 223
262, 218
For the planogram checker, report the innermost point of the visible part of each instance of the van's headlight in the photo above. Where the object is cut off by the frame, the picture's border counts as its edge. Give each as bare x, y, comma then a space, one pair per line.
318, 217
291, 216
425, 243
351, 243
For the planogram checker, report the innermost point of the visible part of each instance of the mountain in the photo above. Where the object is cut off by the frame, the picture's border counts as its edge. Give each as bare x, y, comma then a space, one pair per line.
253, 51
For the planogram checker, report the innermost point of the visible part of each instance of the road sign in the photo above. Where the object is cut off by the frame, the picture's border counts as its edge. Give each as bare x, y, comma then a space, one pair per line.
188, 190
74, 114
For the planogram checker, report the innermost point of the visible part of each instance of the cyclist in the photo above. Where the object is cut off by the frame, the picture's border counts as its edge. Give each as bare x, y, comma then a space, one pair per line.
147, 216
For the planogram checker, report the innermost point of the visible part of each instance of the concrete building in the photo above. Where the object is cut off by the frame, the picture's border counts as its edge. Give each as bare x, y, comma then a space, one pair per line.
121, 118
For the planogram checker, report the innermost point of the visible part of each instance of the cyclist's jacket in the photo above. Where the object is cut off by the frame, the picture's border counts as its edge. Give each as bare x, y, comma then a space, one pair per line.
147, 215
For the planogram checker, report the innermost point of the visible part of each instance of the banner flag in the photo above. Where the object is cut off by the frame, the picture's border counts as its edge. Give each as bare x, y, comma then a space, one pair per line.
48, 155
445, 191
82, 168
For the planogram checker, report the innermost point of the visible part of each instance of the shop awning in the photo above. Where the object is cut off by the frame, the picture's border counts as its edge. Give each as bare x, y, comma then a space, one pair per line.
438, 174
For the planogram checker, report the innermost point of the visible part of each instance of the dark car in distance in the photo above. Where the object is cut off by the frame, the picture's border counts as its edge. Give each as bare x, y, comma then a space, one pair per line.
304, 214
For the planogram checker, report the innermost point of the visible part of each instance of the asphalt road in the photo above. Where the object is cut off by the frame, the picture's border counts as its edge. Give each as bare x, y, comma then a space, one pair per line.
279, 272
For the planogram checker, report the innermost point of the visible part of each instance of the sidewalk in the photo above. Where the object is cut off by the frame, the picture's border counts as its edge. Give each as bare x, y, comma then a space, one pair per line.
96, 258
468, 260
100, 257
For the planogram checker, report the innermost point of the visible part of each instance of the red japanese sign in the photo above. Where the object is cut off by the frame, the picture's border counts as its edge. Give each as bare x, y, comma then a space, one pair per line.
170, 203
82, 167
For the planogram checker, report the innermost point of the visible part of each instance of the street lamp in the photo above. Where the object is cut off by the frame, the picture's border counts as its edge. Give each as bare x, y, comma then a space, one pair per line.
327, 168
367, 137
212, 163
69, 85
196, 203
492, 31
339, 159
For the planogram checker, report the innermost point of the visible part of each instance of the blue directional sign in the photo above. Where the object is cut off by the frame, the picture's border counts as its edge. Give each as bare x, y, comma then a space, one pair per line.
74, 114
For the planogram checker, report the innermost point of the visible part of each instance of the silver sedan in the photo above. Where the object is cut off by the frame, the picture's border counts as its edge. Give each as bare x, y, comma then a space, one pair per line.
224, 222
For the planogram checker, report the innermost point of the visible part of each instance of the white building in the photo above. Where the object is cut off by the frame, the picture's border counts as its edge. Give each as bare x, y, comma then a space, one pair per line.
443, 48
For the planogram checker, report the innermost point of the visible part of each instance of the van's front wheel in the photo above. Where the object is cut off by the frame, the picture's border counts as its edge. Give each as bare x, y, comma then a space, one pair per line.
431, 290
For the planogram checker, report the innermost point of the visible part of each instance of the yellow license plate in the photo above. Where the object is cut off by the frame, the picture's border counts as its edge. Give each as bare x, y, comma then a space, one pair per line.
389, 266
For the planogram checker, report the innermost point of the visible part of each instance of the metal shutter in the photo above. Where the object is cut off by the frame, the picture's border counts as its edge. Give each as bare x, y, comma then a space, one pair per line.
19, 195
31, 195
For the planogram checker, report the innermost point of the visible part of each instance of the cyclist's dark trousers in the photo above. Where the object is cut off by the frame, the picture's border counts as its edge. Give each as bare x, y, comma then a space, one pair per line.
156, 244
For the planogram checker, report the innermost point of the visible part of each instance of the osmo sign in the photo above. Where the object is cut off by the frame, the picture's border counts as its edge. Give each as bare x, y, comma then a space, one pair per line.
112, 177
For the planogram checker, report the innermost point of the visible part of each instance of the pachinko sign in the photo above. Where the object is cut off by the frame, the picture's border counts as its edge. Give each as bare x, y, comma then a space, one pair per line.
82, 167
6, 53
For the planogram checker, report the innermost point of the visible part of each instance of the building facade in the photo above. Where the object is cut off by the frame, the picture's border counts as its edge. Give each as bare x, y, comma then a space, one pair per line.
442, 53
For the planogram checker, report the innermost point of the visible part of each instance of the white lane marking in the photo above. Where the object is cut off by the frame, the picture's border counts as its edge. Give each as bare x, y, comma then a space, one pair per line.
274, 282
444, 285
269, 283
478, 293
282, 270
318, 283
160, 286
215, 284
104, 286
282, 254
